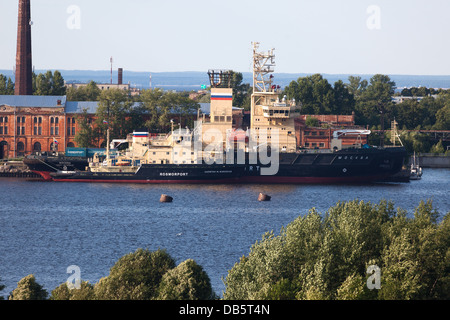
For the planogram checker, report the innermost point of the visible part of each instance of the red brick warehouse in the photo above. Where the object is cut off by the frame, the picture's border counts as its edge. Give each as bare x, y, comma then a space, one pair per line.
30, 124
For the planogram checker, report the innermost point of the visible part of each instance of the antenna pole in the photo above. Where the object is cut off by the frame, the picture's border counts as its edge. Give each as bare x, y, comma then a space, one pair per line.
111, 60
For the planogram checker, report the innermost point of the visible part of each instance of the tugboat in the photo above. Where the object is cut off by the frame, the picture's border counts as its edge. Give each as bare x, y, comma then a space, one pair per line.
265, 153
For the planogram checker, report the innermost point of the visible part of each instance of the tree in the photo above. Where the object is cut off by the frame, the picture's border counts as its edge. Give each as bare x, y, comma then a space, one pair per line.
187, 281
160, 106
135, 276
49, 84
410, 114
415, 142
44, 84
356, 86
90, 92
85, 292
86, 136
157, 105
241, 91
344, 100
312, 122
115, 111
6, 85
28, 289
59, 87
317, 96
375, 101
443, 118
327, 256
437, 148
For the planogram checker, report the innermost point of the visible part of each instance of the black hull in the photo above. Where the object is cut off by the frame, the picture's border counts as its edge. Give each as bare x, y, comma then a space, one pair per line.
345, 166
44, 165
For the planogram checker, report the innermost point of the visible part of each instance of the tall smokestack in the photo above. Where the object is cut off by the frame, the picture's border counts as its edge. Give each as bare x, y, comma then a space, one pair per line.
23, 84
120, 76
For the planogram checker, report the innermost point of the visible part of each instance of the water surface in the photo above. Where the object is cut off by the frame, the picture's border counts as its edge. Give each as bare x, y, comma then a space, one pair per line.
46, 227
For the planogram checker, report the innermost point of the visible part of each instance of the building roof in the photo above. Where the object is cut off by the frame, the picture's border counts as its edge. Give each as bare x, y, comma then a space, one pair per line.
33, 101
69, 106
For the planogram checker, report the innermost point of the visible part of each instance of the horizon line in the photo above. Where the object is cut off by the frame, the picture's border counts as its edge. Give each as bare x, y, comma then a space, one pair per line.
196, 71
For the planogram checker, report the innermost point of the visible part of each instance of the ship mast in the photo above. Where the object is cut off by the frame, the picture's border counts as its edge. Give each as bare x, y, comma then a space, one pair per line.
272, 117
263, 63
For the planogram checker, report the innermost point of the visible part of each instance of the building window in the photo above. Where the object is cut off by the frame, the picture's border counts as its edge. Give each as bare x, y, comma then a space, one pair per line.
70, 126
20, 146
37, 130
3, 125
54, 126
20, 126
37, 147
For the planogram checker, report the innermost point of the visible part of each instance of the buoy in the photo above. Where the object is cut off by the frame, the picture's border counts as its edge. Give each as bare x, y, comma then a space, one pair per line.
165, 198
264, 197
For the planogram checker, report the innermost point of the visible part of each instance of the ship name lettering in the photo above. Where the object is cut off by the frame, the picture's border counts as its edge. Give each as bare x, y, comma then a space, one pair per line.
173, 174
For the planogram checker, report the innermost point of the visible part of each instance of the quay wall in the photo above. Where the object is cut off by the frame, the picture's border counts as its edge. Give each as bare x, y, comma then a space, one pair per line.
433, 161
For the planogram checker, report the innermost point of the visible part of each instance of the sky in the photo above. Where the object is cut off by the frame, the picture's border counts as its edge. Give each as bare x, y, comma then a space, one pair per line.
309, 36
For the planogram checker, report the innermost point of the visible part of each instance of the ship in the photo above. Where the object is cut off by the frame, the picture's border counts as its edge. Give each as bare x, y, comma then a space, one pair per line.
74, 159
215, 152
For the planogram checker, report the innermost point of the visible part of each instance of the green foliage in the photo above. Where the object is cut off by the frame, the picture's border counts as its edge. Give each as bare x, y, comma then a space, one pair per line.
141, 275
119, 111
187, 281
49, 84
326, 256
319, 97
6, 85
28, 289
241, 91
437, 148
415, 142
356, 86
159, 106
90, 92
135, 276
312, 122
443, 118
375, 100
85, 292
87, 136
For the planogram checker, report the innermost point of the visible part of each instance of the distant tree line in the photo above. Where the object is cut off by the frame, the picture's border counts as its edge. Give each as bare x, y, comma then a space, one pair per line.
43, 84
317, 256
152, 110
370, 99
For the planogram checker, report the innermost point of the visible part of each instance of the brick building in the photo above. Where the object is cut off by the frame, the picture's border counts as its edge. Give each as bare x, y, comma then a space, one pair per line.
31, 124
320, 136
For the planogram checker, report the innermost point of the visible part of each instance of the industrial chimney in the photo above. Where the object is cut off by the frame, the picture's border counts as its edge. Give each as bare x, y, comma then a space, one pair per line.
23, 85
120, 76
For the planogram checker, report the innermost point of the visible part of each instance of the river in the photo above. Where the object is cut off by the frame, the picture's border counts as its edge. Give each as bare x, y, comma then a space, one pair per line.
46, 227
